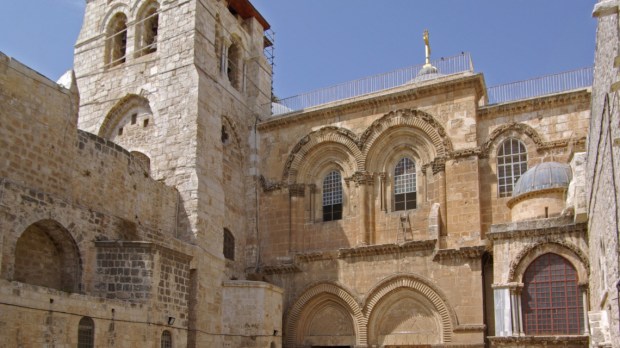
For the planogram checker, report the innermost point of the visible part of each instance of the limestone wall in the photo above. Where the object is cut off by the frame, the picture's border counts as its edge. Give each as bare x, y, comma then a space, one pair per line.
602, 174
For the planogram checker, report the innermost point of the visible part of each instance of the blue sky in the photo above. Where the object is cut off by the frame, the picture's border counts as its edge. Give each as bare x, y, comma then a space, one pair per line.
323, 42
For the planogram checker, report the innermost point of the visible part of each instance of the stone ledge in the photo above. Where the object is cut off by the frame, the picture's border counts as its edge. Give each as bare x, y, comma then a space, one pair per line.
280, 269
145, 245
542, 227
251, 284
473, 252
566, 341
383, 249
470, 328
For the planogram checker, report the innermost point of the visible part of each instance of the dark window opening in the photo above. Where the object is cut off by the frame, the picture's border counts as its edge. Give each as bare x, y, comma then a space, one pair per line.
229, 245
120, 131
166, 339
405, 190
146, 122
134, 118
332, 197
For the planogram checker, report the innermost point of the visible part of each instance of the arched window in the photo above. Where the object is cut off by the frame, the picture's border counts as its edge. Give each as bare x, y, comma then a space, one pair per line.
332, 196
234, 65
229, 245
166, 339
86, 333
551, 299
116, 40
404, 185
511, 164
147, 27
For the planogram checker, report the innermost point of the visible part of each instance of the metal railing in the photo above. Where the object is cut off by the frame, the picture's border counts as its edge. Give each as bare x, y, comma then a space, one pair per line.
536, 87
371, 84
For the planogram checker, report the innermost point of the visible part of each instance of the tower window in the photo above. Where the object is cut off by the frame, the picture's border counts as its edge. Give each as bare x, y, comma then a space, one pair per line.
116, 40
134, 118
404, 185
332, 196
511, 164
233, 68
147, 29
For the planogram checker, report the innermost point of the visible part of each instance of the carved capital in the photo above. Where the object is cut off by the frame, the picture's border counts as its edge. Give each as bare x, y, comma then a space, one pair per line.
297, 190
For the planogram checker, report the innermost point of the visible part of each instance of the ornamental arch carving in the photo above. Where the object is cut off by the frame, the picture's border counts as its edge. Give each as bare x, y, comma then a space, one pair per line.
427, 300
567, 250
517, 130
338, 143
321, 299
427, 133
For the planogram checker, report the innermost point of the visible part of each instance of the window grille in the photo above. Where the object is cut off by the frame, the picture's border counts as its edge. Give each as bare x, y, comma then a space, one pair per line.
117, 40
229, 245
404, 185
551, 298
511, 164
332, 196
86, 333
166, 339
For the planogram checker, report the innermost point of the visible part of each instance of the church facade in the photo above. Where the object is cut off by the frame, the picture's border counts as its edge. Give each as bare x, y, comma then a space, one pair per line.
159, 196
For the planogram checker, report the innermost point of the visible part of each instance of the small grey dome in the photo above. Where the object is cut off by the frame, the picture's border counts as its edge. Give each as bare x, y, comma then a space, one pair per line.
543, 176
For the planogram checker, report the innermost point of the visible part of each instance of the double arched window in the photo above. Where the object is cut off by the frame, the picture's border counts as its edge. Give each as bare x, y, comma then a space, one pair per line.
551, 299
404, 185
511, 164
332, 196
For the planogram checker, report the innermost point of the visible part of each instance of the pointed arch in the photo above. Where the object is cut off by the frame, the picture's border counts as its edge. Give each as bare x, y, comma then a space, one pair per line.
419, 122
420, 285
120, 110
47, 255
343, 139
318, 295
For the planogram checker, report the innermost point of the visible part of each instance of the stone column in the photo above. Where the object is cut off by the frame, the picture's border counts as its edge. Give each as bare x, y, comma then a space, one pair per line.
439, 175
364, 181
296, 217
583, 288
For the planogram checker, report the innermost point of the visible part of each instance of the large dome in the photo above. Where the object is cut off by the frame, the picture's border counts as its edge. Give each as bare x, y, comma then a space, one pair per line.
543, 176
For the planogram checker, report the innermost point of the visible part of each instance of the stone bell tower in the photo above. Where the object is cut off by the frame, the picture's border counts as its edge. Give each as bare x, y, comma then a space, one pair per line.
181, 85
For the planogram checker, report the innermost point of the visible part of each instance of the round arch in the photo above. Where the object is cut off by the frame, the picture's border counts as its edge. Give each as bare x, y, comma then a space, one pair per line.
428, 133
316, 298
570, 252
517, 130
425, 294
307, 150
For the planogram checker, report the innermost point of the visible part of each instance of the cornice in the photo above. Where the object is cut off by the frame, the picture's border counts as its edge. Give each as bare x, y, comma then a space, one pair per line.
280, 269
548, 341
532, 194
395, 95
386, 249
535, 228
537, 103
474, 252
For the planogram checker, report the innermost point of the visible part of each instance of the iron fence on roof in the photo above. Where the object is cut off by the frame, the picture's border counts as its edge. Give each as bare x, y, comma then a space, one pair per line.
445, 66
545, 85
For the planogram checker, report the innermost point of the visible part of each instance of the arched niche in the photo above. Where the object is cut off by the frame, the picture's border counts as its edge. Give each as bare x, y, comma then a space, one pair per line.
46, 255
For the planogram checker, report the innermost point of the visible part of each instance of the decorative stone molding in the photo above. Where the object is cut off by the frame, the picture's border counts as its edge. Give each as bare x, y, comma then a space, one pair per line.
539, 341
470, 328
474, 252
361, 178
517, 127
324, 292
317, 256
538, 193
329, 134
280, 269
270, 186
536, 228
408, 118
539, 103
383, 249
421, 285
550, 244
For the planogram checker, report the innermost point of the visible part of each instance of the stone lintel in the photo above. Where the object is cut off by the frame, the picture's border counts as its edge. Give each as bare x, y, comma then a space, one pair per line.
532, 228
